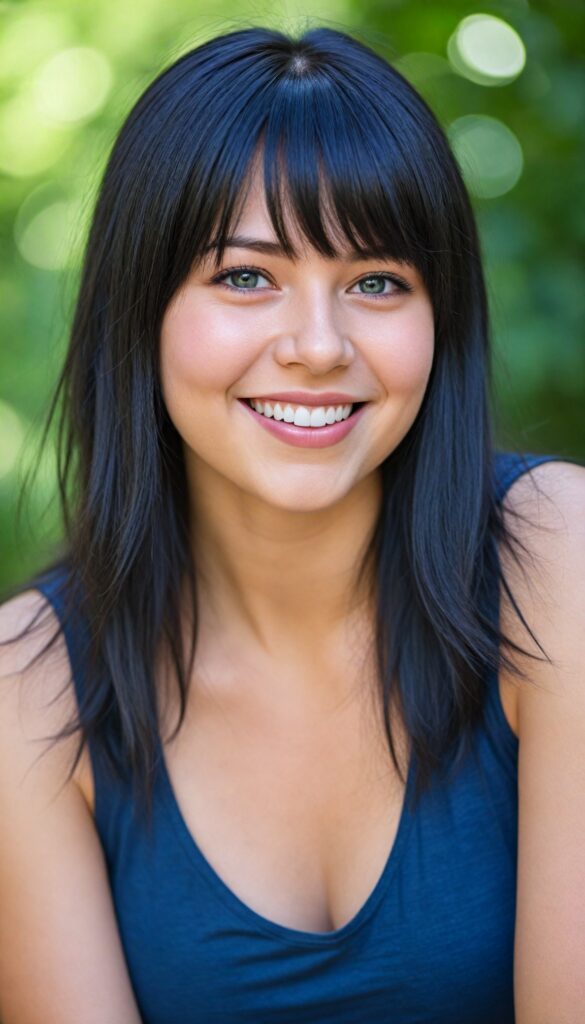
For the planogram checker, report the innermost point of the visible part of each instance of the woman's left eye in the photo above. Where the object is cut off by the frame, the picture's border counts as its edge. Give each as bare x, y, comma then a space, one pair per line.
376, 279
399, 285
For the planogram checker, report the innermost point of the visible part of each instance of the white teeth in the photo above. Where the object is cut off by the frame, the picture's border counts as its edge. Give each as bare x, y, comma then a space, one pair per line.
317, 417
301, 415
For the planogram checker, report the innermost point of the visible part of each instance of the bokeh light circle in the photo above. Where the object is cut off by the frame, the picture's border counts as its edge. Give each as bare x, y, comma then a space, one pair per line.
73, 84
489, 154
487, 50
47, 238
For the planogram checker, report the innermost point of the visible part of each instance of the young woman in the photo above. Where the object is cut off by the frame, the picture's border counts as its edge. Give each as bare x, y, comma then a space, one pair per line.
319, 774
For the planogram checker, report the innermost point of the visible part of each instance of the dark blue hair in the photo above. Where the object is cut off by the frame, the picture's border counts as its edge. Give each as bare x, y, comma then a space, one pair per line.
355, 157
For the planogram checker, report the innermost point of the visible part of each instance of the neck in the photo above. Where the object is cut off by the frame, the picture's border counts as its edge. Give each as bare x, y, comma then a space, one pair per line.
281, 581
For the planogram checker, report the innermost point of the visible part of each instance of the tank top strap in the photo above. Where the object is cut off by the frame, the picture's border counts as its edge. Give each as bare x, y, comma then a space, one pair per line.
55, 585
508, 466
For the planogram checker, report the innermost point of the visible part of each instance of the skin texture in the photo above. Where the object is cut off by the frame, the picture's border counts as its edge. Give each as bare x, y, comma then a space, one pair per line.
277, 531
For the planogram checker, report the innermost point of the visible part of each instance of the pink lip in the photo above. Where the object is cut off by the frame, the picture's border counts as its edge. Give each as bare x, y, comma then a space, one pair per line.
306, 437
312, 398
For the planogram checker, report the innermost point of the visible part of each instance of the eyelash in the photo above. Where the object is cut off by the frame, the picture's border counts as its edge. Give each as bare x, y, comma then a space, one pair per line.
402, 286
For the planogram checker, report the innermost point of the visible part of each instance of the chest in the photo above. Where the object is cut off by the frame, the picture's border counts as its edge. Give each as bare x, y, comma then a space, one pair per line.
296, 811
293, 842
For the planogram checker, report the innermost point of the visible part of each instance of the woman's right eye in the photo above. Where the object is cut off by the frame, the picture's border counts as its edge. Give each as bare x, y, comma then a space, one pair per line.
248, 274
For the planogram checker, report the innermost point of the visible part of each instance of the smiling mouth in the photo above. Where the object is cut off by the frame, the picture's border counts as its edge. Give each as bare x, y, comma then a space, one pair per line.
298, 415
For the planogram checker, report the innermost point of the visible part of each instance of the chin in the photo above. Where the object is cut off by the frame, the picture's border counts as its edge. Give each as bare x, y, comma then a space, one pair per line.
302, 496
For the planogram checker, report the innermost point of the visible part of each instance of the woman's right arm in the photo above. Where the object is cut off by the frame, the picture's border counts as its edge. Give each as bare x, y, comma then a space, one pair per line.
61, 957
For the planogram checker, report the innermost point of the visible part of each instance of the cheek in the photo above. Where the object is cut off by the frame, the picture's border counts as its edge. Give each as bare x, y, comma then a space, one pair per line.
200, 349
404, 357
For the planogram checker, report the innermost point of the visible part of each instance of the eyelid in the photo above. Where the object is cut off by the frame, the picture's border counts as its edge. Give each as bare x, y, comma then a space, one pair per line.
401, 283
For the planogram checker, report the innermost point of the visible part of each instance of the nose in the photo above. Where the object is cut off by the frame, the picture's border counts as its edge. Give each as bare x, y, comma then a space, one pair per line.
317, 339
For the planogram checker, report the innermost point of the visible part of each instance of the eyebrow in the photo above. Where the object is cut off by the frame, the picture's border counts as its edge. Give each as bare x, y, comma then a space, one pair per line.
268, 248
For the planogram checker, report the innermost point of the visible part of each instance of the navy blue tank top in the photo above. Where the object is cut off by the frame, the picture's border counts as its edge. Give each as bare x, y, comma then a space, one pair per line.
433, 941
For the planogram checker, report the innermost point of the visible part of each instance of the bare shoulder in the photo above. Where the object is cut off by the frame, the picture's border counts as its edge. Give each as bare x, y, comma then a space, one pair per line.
549, 962
61, 957
27, 623
552, 490
545, 509
36, 695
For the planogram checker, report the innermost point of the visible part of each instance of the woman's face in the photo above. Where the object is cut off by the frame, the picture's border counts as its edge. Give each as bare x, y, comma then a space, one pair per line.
313, 326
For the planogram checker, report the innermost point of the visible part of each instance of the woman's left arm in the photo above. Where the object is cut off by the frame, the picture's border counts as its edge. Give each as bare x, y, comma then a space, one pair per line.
549, 961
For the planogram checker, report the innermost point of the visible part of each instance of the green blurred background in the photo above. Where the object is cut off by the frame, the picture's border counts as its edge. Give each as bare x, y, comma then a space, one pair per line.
507, 81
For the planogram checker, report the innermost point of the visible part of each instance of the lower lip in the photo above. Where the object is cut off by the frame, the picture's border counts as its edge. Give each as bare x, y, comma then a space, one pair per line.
307, 437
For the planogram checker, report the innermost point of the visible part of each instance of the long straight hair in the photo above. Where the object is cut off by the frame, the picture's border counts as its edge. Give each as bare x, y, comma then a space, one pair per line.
324, 111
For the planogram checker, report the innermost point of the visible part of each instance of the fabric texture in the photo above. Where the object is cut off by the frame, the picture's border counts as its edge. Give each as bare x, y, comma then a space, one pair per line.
433, 942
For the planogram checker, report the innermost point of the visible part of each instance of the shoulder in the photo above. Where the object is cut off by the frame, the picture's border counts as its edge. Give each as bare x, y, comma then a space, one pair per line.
549, 965
27, 623
545, 509
37, 698
552, 489
56, 963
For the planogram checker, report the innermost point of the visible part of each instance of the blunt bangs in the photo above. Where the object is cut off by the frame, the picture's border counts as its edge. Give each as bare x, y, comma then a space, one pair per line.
324, 188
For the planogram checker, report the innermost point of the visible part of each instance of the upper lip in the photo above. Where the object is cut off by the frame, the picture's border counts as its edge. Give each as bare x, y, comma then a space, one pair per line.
309, 397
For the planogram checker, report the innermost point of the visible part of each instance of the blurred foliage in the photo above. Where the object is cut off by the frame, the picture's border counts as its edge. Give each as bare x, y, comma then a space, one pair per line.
69, 74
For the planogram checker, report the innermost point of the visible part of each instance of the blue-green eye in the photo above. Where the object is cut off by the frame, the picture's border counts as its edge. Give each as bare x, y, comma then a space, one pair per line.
251, 274
399, 285
248, 273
